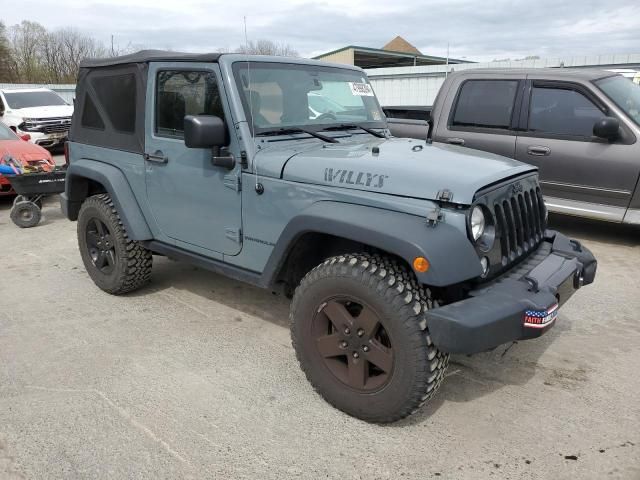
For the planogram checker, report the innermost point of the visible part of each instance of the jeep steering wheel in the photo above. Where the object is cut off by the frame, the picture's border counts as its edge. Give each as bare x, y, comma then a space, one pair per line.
327, 116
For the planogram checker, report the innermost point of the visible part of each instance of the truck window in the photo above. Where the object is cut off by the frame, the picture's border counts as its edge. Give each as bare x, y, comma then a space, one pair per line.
180, 93
485, 104
559, 111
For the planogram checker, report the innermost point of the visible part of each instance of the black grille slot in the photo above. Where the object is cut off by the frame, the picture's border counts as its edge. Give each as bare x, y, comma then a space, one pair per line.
55, 128
519, 223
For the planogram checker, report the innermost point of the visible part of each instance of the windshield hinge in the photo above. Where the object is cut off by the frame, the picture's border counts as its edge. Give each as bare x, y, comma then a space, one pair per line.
233, 182
445, 195
233, 234
435, 216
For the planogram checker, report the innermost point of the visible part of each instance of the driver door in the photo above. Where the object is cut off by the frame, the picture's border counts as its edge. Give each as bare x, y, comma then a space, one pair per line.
196, 205
579, 173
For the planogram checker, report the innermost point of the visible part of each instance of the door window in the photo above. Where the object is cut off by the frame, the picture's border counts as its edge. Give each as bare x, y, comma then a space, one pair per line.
180, 93
485, 104
559, 111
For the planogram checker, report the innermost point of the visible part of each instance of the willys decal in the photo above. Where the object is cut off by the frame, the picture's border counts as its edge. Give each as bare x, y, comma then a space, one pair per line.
351, 177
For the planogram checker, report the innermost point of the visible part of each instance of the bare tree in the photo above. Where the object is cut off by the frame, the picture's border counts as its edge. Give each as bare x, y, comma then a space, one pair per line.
40, 56
267, 47
6, 59
26, 45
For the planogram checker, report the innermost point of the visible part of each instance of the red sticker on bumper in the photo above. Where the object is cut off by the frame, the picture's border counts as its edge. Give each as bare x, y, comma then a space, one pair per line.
540, 318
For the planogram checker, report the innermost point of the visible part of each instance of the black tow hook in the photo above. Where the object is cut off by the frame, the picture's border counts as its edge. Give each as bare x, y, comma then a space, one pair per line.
533, 284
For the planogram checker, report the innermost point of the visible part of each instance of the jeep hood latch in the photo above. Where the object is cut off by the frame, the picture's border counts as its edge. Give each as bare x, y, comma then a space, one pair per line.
445, 195
435, 216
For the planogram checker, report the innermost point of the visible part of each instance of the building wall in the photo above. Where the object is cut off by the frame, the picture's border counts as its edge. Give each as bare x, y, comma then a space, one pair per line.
68, 92
420, 85
344, 56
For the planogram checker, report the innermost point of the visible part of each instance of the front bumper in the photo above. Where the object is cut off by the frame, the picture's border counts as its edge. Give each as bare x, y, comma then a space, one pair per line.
495, 314
47, 140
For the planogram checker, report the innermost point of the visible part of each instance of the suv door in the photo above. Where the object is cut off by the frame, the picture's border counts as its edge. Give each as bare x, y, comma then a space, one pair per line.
196, 205
483, 112
580, 174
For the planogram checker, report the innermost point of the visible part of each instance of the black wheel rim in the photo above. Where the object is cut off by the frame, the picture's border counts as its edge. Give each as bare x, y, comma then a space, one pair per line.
353, 343
100, 246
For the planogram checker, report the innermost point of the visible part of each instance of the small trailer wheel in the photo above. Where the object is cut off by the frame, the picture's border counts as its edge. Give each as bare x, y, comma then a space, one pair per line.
26, 214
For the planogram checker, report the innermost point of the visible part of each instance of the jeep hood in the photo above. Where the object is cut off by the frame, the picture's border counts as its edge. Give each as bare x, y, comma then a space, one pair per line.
396, 166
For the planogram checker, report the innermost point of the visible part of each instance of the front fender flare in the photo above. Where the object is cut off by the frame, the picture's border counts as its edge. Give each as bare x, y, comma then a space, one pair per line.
116, 185
451, 256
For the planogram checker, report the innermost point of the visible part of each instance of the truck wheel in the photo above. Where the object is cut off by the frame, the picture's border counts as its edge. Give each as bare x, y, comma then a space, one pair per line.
114, 262
360, 335
26, 214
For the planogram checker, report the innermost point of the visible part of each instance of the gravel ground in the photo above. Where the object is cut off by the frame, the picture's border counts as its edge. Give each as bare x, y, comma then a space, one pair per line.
195, 377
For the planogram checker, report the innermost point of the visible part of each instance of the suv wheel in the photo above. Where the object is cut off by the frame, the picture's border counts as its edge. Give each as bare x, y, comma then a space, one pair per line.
115, 263
360, 335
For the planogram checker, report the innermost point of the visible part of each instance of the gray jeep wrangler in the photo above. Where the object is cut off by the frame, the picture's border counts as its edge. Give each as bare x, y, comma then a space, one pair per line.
282, 173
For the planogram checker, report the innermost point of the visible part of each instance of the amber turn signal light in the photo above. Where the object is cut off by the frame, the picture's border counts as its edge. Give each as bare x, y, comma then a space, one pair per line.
420, 264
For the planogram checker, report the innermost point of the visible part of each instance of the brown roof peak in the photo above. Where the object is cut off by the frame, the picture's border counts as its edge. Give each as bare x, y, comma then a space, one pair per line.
399, 44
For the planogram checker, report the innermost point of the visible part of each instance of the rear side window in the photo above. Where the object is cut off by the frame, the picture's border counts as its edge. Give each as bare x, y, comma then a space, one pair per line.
485, 104
117, 95
560, 111
180, 93
90, 116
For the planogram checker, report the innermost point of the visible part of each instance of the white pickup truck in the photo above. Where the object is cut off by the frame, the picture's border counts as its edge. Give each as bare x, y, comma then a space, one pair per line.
39, 112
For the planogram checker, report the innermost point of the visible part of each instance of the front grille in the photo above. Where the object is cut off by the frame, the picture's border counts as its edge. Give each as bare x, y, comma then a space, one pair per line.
55, 128
520, 223
46, 125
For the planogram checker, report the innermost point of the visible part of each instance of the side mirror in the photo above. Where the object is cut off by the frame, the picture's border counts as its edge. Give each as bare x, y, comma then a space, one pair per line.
26, 137
208, 131
607, 128
204, 131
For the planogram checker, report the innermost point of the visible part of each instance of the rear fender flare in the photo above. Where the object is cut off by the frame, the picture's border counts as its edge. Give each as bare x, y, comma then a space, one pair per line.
116, 185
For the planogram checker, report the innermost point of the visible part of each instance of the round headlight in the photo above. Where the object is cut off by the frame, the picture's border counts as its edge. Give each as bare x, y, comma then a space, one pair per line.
478, 223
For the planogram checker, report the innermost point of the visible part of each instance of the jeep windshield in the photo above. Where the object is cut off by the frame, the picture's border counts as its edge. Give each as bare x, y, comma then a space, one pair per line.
20, 100
279, 97
624, 93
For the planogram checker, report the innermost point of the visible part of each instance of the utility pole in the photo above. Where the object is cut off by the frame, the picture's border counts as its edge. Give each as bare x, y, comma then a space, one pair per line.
446, 68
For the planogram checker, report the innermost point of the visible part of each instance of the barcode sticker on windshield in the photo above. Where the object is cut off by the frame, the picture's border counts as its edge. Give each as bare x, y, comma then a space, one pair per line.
361, 89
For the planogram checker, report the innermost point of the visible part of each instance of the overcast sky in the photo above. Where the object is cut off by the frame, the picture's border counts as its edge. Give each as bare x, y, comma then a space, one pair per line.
477, 30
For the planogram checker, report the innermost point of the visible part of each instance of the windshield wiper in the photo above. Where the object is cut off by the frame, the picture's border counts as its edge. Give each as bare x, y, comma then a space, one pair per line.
286, 131
352, 126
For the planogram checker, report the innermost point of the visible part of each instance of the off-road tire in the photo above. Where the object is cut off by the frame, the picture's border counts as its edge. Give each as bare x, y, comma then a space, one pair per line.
400, 303
133, 262
26, 214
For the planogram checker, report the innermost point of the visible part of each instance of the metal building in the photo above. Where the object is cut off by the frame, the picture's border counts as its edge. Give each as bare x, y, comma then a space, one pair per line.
419, 85
397, 53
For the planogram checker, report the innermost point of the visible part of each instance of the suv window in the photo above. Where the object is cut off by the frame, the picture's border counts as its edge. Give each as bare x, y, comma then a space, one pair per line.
561, 111
117, 95
90, 116
485, 104
180, 93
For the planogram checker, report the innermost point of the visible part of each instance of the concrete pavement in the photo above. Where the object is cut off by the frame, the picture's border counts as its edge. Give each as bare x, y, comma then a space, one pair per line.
195, 377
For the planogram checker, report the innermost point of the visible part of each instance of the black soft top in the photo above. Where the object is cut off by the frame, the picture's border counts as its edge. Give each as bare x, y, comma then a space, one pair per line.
146, 56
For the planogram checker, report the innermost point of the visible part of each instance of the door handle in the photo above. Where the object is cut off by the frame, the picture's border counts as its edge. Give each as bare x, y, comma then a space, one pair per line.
157, 157
539, 151
455, 141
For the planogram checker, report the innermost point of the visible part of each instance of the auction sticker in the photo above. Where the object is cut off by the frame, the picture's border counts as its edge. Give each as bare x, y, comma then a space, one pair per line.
361, 89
